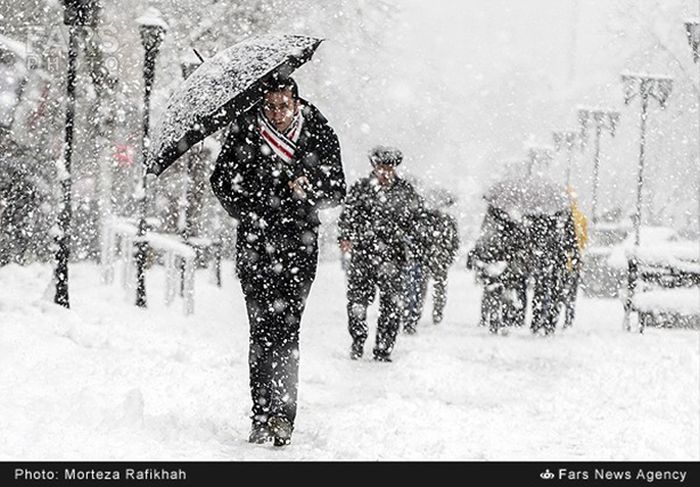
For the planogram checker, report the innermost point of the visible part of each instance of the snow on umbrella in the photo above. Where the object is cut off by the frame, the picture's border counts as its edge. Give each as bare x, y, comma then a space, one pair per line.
527, 196
221, 88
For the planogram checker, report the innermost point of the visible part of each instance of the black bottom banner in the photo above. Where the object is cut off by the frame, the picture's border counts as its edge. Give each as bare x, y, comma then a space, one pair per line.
469, 473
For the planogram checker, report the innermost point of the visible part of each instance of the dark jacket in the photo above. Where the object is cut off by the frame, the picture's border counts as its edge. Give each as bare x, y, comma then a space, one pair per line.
251, 182
385, 222
527, 246
443, 241
500, 240
550, 238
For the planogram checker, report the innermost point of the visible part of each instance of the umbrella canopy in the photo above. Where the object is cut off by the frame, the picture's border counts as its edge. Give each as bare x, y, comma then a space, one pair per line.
528, 196
221, 88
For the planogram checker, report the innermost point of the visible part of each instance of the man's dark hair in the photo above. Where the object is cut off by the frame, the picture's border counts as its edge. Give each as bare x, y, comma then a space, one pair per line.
279, 83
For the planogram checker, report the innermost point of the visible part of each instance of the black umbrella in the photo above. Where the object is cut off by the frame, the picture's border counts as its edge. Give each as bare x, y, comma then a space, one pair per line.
528, 196
221, 88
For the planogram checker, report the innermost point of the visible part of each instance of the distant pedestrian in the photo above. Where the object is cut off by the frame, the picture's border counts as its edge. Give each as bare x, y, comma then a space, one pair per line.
379, 227
572, 273
499, 260
441, 245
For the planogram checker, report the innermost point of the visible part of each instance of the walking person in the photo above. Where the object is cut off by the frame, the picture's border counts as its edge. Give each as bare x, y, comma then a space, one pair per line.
441, 245
574, 260
498, 259
441, 253
380, 227
279, 166
551, 239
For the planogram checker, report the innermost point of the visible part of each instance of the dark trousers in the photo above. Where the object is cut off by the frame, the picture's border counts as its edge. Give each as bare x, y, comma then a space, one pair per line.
490, 306
276, 271
569, 292
504, 300
366, 275
515, 304
416, 282
546, 297
419, 277
439, 294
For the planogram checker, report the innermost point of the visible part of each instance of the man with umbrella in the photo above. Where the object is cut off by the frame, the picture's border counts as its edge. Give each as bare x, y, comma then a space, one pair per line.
527, 233
279, 165
380, 227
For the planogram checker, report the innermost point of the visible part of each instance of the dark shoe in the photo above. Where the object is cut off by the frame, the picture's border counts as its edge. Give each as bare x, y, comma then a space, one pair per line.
356, 350
281, 429
381, 357
259, 433
282, 441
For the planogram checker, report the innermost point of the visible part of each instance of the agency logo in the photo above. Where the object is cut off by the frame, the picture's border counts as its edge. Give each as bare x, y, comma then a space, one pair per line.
44, 46
547, 475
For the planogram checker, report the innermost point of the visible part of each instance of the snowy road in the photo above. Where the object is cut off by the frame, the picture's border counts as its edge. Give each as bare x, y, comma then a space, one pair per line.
106, 380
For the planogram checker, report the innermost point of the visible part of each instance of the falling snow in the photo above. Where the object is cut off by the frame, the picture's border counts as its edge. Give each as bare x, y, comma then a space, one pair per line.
497, 204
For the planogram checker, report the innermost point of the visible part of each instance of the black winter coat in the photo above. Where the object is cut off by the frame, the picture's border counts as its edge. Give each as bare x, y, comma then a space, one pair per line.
443, 241
386, 222
527, 246
501, 239
251, 182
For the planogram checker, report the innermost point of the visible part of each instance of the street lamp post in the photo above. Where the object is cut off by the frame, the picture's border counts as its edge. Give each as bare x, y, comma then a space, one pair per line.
659, 88
152, 29
77, 14
566, 140
601, 119
646, 86
692, 30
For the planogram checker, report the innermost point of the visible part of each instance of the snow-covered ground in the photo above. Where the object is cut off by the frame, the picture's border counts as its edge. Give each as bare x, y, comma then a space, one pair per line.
106, 380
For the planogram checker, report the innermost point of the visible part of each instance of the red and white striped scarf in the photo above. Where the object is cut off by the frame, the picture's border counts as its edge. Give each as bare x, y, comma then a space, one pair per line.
284, 145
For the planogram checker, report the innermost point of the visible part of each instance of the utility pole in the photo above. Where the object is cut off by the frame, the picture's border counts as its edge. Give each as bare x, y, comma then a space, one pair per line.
646, 87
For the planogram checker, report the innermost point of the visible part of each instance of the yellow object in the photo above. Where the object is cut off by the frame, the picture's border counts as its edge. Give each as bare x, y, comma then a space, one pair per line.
569, 262
580, 226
